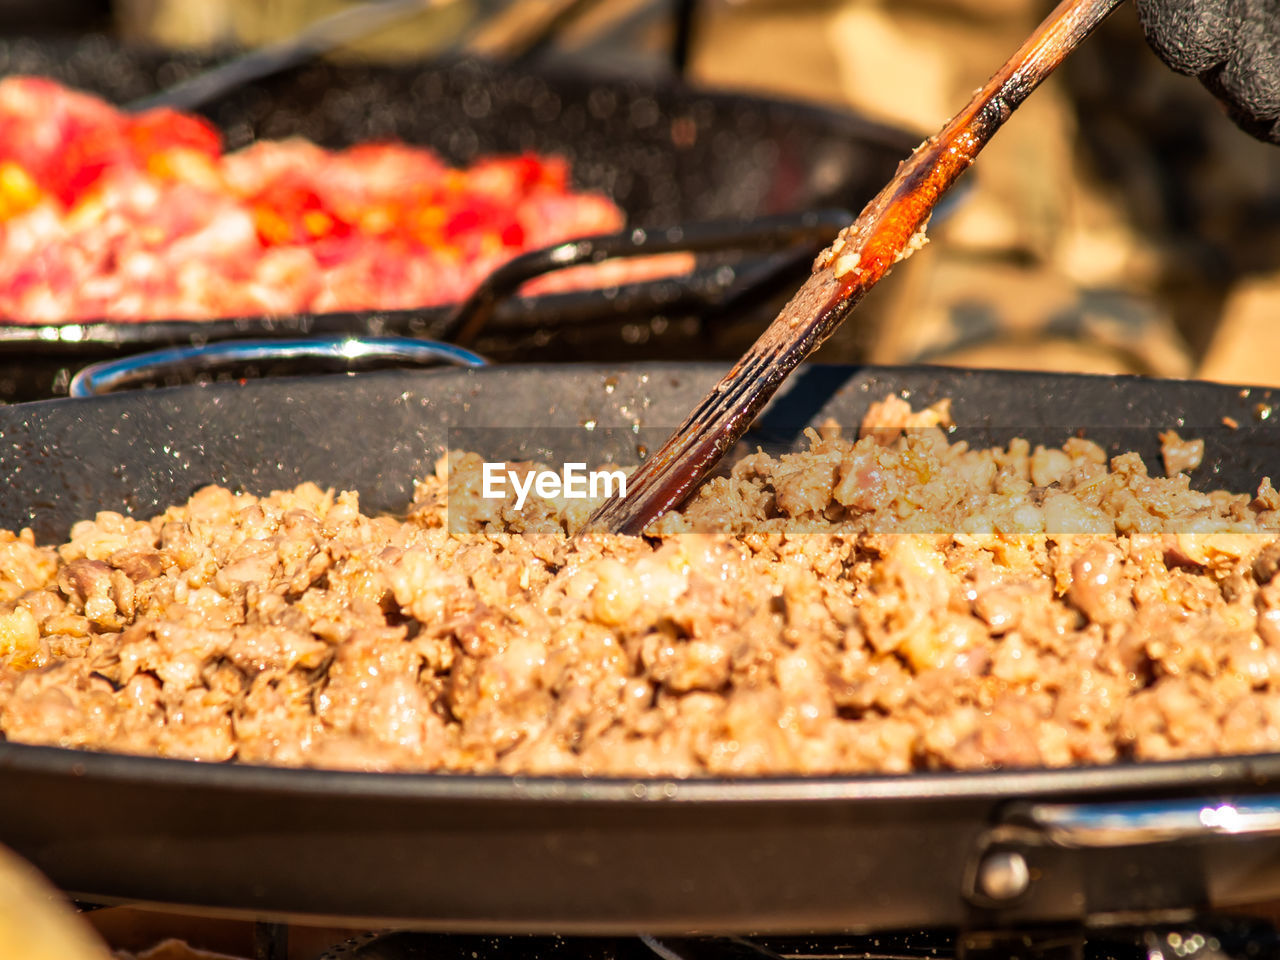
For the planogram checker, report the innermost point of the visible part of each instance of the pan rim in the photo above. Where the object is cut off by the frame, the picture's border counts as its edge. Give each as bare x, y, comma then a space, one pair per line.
1256, 393
1212, 775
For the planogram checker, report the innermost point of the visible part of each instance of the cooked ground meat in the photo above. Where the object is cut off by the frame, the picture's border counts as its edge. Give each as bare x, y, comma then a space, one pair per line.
1180, 456
890, 603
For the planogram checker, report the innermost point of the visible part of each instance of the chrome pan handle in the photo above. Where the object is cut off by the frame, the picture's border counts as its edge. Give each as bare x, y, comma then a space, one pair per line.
1128, 824
111, 375
1131, 857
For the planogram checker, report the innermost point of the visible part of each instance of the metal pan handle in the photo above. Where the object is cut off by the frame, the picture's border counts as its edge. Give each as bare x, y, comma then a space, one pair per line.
1106, 845
100, 378
1137, 823
811, 228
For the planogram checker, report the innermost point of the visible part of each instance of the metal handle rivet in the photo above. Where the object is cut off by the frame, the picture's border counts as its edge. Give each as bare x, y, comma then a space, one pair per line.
1004, 875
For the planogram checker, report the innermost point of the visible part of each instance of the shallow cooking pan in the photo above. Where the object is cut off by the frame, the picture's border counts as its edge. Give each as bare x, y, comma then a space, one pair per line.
492, 853
665, 153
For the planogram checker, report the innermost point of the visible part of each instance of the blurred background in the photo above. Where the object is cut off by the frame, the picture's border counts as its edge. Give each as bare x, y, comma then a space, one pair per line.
1119, 222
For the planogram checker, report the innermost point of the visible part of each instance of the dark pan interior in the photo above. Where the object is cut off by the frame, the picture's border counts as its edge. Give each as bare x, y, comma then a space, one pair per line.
499, 854
64, 459
666, 154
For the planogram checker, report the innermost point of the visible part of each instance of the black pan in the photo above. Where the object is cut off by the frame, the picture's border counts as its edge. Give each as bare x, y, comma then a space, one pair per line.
498, 854
667, 155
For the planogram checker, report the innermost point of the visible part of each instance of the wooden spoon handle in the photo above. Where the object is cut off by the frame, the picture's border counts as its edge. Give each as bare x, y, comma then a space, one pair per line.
889, 229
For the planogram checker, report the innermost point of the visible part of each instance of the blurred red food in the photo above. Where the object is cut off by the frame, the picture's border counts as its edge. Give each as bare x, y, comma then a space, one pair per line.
104, 215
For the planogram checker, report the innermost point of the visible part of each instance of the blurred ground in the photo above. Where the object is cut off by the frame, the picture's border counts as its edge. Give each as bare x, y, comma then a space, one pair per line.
1118, 222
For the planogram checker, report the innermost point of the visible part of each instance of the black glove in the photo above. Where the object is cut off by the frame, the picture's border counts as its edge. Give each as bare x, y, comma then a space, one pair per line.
1233, 46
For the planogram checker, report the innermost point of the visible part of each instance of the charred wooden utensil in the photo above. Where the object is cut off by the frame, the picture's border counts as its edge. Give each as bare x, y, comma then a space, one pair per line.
889, 229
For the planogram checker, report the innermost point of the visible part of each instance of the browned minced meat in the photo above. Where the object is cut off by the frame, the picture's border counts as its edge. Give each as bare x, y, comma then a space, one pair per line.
1180, 456
892, 603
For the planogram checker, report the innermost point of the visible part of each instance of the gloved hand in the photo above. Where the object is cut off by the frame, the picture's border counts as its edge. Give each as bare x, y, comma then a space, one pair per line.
1233, 46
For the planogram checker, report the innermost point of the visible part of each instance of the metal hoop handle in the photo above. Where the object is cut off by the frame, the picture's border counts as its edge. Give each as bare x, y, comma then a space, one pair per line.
1137, 823
111, 375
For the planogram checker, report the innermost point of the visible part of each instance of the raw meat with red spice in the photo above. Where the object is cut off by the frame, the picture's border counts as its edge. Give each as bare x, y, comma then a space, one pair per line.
107, 215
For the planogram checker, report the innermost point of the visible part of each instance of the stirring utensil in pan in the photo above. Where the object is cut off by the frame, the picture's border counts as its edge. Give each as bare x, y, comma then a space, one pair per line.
351, 24
339, 29
314, 40
890, 228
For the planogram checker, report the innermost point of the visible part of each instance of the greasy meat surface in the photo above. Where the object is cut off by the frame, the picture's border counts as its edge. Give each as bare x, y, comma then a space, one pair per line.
889, 603
104, 215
